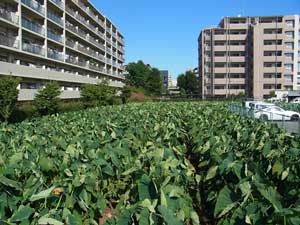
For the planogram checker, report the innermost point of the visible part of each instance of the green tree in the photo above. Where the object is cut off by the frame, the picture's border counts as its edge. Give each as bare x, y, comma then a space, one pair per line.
46, 100
181, 81
154, 84
189, 83
137, 74
97, 94
143, 76
8, 96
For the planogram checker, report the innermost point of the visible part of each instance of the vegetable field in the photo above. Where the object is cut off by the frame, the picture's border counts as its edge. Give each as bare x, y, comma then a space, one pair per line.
154, 163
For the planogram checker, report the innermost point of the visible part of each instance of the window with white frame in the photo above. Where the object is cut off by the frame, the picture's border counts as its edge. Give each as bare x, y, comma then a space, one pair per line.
289, 56
289, 45
288, 66
289, 34
290, 23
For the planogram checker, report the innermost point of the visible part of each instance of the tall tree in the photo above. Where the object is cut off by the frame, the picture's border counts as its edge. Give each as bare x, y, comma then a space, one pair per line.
143, 76
181, 81
137, 73
189, 83
8, 96
154, 83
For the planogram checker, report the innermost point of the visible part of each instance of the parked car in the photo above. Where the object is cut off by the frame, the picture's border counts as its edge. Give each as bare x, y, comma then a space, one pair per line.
295, 101
257, 105
275, 113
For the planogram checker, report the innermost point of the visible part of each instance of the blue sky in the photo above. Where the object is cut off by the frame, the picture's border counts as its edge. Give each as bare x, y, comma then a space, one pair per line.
164, 33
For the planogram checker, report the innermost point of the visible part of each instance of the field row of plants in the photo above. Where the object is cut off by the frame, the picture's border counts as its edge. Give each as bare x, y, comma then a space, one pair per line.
154, 163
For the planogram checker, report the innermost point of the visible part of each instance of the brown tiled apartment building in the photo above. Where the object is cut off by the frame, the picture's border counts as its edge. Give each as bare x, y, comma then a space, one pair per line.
253, 55
69, 41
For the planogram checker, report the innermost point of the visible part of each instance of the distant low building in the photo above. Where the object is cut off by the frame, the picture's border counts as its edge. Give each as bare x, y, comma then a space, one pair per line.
173, 89
166, 78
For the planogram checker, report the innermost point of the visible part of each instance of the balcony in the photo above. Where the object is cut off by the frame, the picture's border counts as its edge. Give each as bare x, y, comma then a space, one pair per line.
9, 42
108, 40
72, 60
52, 16
76, 30
93, 40
36, 6
33, 48
33, 26
121, 41
59, 3
54, 54
9, 16
54, 36
95, 67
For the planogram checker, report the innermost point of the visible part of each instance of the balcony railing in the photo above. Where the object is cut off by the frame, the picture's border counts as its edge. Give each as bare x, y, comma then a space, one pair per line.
70, 43
33, 26
58, 2
9, 15
9, 42
54, 36
52, 16
93, 40
33, 48
54, 54
76, 30
95, 67
72, 60
35, 6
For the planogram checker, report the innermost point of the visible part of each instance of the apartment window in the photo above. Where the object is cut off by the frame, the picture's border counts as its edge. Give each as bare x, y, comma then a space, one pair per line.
289, 45
237, 42
288, 66
272, 75
289, 34
288, 87
290, 23
220, 64
236, 86
237, 53
219, 87
237, 20
272, 42
272, 53
220, 43
219, 32
237, 65
272, 86
272, 31
271, 19
220, 75
220, 54
237, 32
298, 66
289, 56
272, 64
288, 77
237, 75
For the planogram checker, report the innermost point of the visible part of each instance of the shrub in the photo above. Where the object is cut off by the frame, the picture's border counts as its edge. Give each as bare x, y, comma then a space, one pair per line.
46, 100
125, 94
97, 94
8, 96
22, 112
70, 106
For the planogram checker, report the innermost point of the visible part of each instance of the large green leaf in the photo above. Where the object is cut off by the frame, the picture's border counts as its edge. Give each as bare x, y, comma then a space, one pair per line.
226, 201
23, 213
168, 216
42, 195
